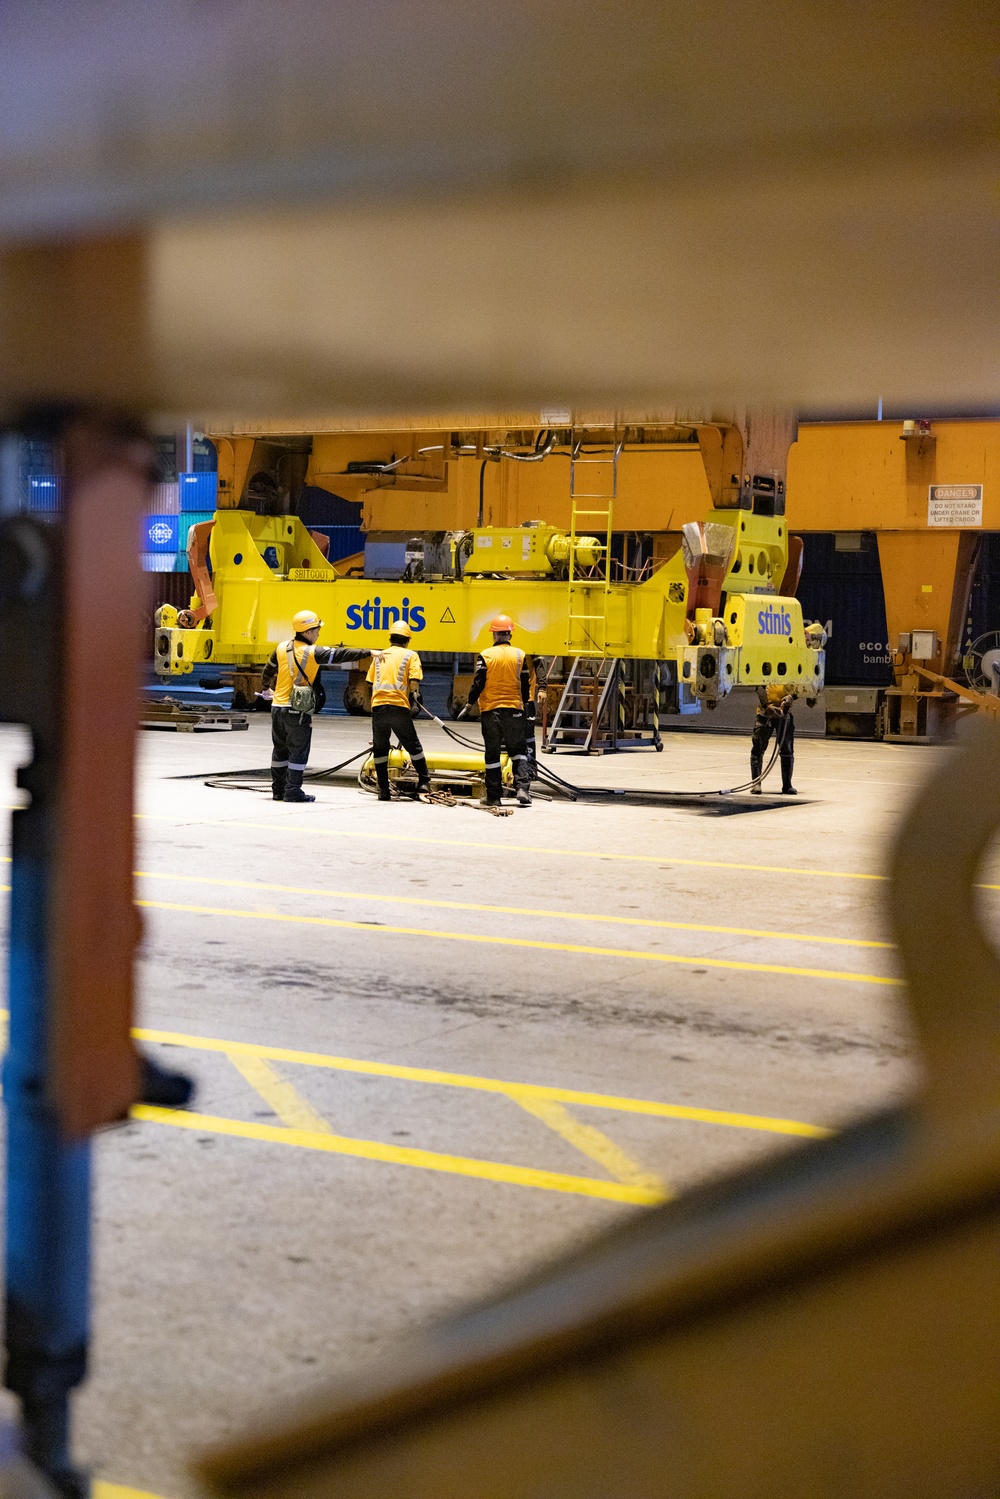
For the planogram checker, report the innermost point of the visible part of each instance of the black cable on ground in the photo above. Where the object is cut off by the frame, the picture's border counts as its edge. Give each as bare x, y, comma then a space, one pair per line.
575, 793
231, 782
600, 792
236, 780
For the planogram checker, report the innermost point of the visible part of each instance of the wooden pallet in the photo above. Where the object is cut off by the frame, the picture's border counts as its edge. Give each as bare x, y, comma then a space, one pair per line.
168, 713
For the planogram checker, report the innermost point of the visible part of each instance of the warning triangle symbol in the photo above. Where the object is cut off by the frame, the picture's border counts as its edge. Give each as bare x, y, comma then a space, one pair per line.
447, 618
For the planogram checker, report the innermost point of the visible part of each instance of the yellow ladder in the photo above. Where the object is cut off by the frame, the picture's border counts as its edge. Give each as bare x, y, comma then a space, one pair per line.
593, 489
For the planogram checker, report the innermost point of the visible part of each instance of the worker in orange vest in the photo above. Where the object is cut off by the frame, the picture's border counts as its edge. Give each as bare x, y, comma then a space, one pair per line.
502, 688
395, 676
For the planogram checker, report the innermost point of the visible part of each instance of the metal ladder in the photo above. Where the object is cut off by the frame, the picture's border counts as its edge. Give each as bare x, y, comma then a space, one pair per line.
593, 479
605, 705
586, 698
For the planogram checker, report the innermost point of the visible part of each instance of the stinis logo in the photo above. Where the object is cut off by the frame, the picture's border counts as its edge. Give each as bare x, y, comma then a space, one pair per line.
772, 621
374, 615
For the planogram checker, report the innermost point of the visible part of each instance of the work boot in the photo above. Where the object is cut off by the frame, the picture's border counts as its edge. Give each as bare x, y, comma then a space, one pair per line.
163, 1089
293, 788
385, 796
523, 797
789, 791
278, 784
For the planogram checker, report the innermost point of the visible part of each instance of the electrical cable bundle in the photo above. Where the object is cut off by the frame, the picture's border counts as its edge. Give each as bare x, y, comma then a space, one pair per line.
259, 780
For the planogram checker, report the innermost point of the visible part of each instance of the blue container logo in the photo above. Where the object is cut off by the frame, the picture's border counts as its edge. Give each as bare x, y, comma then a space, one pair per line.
159, 533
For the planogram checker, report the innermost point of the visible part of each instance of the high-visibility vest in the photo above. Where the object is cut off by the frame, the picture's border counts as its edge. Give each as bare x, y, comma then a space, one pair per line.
391, 674
504, 664
306, 664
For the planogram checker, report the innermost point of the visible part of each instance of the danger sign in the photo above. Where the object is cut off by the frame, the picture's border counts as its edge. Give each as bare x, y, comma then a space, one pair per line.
955, 505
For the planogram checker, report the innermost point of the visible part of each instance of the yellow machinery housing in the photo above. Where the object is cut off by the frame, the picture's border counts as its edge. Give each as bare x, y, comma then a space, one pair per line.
530, 548
245, 607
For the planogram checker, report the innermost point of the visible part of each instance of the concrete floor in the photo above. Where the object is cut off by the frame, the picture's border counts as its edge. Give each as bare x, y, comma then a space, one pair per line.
234, 1270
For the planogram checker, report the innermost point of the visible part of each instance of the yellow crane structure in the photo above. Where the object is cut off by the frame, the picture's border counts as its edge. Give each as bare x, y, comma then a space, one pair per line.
715, 609
928, 490
721, 608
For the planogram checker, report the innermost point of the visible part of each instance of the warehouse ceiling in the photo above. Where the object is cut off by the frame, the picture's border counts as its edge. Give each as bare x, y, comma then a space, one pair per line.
232, 206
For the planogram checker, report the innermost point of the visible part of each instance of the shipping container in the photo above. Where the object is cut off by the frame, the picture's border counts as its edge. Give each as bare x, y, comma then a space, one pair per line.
160, 533
186, 520
344, 540
198, 491
318, 508
841, 586
44, 494
983, 614
158, 562
165, 499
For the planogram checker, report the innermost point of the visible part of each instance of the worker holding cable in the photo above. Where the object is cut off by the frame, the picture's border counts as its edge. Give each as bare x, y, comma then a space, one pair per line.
502, 688
395, 675
774, 716
293, 673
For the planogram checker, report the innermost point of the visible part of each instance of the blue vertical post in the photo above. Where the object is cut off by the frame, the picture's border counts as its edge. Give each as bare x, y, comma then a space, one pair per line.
71, 1066
48, 1177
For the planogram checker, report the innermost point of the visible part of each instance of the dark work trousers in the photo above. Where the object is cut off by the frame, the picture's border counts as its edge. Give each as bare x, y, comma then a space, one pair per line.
505, 728
784, 727
291, 736
529, 742
395, 720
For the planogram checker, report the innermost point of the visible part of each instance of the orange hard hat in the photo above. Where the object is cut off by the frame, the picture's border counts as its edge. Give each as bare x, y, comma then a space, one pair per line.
502, 624
305, 619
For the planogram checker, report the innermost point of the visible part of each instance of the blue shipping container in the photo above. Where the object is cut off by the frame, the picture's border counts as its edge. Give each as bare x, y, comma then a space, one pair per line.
344, 540
318, 508
198, 491
842, 583
159, 533
157, 562
44, 493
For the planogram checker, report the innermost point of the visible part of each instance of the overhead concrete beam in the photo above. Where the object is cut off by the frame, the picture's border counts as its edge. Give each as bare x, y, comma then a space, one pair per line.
410, 204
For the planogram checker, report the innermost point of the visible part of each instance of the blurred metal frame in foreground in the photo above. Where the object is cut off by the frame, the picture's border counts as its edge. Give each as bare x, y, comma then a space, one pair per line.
825, 1323
414, 204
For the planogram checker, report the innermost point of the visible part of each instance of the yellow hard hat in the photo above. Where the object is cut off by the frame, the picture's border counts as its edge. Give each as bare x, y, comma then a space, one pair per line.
401, 628
306, 619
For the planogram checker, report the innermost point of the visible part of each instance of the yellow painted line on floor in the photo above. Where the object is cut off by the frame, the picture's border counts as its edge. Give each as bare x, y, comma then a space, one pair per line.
401, 1155
533, 911
591, 1142
289, 1105
102, 1490
501, 846
471, 1081
535, 944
